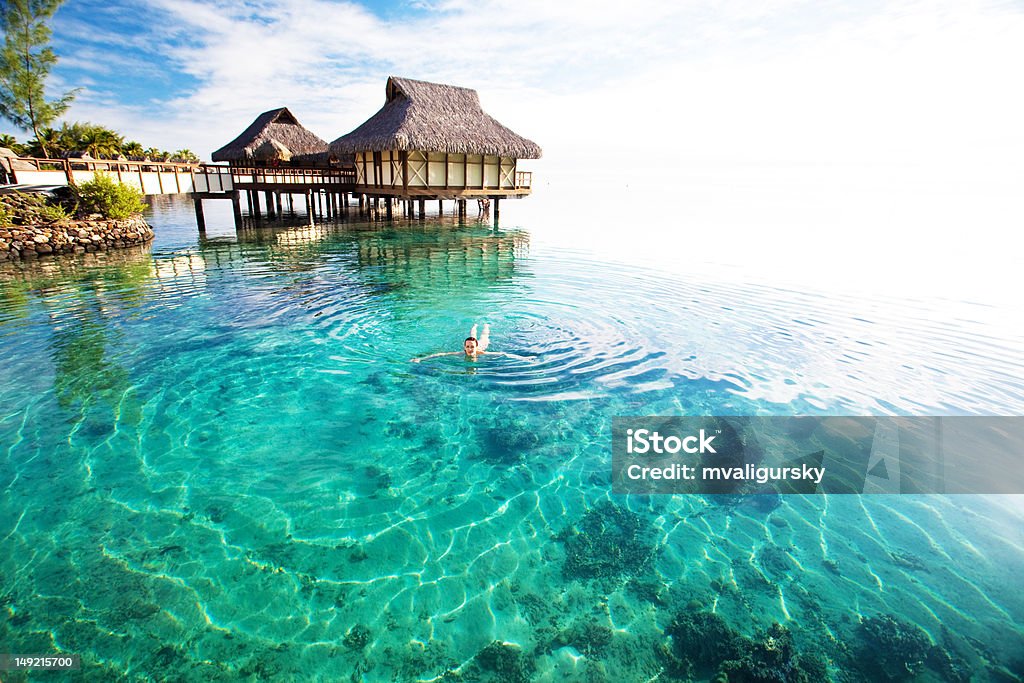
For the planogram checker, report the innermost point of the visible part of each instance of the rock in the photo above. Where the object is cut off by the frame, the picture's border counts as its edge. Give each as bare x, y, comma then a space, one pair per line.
34, 234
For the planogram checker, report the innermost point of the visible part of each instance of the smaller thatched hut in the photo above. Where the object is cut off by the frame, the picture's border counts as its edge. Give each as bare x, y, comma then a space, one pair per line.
435, 140
275, 136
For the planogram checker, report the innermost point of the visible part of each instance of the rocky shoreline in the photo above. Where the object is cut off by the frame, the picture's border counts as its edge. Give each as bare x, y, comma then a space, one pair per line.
72, 237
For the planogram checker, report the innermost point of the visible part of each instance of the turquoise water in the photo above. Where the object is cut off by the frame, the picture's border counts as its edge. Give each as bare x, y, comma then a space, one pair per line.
219, 463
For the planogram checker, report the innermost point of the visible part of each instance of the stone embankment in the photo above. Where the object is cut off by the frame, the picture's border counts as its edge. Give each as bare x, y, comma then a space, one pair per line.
72, 237
32, 225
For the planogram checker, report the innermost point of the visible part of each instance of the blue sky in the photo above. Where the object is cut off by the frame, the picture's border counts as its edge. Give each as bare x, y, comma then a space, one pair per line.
717, 80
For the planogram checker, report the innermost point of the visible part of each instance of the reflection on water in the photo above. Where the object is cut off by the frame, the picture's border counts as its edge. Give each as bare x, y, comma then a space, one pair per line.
218, 462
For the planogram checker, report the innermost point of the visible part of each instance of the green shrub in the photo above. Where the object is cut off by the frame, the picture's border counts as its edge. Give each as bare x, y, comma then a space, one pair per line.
53, 213
111, 199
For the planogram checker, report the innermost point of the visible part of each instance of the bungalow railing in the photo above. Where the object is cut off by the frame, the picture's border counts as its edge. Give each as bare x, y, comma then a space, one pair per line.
276, 175
524, 179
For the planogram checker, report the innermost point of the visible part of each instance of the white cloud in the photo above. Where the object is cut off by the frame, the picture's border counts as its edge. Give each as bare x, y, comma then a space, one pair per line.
718, 80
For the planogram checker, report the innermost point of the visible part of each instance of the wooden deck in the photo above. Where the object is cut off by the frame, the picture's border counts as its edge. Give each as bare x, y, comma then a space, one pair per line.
326, 191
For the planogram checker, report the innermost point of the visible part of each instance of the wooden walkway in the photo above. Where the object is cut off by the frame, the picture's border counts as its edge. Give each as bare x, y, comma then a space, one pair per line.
326, 191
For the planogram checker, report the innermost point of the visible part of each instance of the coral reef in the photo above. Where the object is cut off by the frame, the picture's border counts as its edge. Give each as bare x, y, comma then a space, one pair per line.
702, 642
586, 637
357, 637
506, 440
891, 649
703, 639
772, 658
501, 663
608, 541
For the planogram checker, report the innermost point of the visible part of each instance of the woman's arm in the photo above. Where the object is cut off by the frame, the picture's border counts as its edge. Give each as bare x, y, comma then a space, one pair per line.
506, 353
435, 355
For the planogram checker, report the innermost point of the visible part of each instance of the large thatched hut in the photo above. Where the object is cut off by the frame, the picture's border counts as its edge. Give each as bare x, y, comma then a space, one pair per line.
275, 138
435, 141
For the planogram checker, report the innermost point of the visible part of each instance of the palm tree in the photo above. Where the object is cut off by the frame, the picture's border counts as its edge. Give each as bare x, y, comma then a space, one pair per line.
8, 140
187, 156
49, 141
133, 150
100, 142
70, 137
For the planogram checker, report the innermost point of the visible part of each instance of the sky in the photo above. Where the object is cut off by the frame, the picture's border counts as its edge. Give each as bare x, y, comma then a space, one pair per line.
706, 80
885, 137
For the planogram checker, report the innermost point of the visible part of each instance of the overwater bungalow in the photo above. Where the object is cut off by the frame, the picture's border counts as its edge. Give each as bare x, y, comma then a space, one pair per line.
275, 138
434, 141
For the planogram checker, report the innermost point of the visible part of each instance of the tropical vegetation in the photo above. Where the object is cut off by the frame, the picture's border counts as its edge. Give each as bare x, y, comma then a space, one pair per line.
106, 196
98, 141
25, 62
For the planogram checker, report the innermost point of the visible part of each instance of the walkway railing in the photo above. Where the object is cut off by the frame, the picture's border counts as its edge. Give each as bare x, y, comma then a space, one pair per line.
524, 179
152, 177
168, 177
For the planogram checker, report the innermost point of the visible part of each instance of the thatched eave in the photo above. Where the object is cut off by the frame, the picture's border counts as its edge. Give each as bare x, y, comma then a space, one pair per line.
279, 125
433, 117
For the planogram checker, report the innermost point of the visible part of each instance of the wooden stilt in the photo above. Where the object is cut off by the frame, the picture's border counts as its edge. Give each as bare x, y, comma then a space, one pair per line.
440, 208
496, 201
277, 201
423, 208
389, 202
269, 199
236, 207
200, 219
248, 197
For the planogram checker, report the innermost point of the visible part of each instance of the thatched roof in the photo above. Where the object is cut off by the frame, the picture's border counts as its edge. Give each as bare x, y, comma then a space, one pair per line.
438, 118
10, 161
280, 126
272, 149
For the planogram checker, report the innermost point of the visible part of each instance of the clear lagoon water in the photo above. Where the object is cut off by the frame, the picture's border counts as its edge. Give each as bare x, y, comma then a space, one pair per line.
217, 462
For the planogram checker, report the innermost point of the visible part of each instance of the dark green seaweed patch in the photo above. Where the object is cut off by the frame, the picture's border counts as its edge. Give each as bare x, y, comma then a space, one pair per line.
772, 658
891, 649
703, 643
608, 541
702, 639
357, 638
586, 637
501, 663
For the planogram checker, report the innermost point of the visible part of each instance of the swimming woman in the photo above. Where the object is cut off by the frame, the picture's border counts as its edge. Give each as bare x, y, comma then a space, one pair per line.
472, 347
